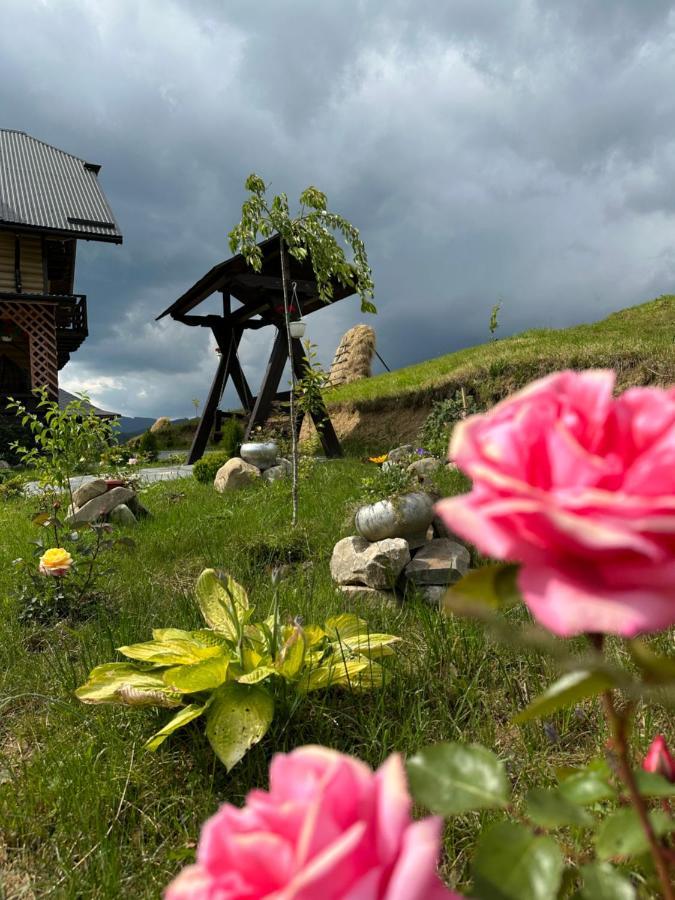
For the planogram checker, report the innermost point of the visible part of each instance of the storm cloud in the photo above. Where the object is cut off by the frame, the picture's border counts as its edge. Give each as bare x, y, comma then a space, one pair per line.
521, 150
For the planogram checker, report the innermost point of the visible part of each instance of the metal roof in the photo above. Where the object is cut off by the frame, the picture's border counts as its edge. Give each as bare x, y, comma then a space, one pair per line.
45, 188
65, 397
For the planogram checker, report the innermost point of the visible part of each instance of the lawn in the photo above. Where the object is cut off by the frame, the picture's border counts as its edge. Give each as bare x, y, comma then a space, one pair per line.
86, 812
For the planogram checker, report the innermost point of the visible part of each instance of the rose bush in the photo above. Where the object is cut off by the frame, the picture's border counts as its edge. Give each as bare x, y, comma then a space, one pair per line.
579, 487
329, 827
56, 561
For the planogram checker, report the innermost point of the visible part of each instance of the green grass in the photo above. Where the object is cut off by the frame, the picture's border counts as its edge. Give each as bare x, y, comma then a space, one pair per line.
639, 343
86, 812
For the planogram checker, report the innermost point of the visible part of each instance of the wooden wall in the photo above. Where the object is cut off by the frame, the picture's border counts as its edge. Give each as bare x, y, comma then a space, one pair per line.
31, 261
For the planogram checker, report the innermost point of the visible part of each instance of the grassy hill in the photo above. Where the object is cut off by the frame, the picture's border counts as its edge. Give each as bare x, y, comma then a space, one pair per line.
639, 343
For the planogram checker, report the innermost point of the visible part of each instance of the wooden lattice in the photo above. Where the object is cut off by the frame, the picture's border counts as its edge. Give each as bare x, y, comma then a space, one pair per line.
38, 321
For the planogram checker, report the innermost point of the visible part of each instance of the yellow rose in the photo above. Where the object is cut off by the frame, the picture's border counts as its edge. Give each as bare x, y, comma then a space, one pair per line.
56, 561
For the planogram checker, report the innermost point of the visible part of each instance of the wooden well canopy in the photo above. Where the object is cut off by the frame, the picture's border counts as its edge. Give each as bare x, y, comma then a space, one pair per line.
260, 295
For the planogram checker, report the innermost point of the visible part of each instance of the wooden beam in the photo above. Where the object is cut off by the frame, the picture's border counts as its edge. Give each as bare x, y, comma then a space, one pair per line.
324, 427
201, 438
270, 383
270, 283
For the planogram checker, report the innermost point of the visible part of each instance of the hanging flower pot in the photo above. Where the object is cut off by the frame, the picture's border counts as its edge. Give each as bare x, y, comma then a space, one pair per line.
297, 328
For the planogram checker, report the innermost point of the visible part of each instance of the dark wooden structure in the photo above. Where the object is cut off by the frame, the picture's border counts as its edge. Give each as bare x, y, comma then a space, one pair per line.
261, 304
49, 200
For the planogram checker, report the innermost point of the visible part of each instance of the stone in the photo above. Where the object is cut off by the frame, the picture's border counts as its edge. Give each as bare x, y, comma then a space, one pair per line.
424, 468
285, 464
441, 530
100, 506
359, 593
88, 491
400, 454
274, 473
160, 424
122, 515
235, 474
4, 464
377, 565
432, 594
137, 508
439, 562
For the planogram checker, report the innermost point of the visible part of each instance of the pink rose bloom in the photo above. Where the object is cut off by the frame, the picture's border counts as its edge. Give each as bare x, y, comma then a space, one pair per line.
328, 829
659, 760
579, 487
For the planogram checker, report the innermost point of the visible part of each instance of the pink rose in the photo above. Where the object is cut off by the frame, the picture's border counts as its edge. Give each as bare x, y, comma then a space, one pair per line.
579, 487
328, 829
659, 760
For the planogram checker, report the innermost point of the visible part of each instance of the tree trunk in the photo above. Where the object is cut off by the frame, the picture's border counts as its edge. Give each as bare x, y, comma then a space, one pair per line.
294, 433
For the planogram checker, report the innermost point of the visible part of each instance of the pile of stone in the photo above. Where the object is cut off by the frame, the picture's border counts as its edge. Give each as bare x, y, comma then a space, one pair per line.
238, 473
401, 546
105, 501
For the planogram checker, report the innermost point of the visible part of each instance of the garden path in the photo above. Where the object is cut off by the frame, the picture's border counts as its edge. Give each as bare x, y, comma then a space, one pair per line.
156, 473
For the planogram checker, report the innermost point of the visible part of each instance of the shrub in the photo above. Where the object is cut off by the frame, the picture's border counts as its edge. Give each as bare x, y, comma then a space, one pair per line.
148, 444
436, 431
205, 469
13, 431
232, 436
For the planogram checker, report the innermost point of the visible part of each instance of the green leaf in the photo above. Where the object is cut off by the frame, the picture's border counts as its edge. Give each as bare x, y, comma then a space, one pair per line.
345, 626
222, 602
202, 676
185, 715
655, 669
257, 675
512, 863
173, 652
452, 778
494, 587
585, 788
292, 654
603, 882
238, 718
621, 835
552, 809
651, 784
372, 645
333, 673
127, 684
566, 691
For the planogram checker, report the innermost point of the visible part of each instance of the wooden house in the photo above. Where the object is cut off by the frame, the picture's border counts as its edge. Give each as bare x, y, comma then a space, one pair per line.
49, 200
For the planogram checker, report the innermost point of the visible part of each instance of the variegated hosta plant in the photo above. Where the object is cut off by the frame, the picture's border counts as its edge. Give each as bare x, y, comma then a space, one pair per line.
228, 671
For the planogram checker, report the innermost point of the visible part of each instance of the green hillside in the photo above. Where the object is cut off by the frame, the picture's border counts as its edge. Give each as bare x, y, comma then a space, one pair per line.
638, 342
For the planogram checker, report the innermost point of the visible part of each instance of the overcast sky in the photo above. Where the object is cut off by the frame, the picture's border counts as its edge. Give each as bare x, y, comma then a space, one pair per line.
521, 150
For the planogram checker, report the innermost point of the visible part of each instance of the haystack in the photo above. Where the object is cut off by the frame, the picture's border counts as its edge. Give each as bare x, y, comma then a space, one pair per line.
353, 357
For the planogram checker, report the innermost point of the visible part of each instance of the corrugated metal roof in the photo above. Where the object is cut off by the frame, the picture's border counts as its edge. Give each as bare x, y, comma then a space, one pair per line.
43, 187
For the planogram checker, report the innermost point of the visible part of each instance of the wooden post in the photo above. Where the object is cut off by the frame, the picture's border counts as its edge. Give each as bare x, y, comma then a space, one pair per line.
270, 383
329, 439
201, 438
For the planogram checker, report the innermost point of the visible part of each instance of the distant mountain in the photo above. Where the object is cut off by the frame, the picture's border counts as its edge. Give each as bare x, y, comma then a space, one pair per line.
130, 426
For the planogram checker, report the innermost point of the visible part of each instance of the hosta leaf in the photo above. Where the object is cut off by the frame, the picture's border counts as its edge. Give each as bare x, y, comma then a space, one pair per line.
603, 882
223, 603
292, 654
493, 587
201, 676
173, 652
187, 714
512, 863
127, 684
621, 834
552, 809
238, 718
257, 675
335, 672
314, 634
345, 626
452, 778
372, 645
564, 692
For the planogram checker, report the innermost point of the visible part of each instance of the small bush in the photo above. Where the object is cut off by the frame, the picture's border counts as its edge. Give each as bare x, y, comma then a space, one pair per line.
205, 469
232, 436
148, 444
436, 431
13, 432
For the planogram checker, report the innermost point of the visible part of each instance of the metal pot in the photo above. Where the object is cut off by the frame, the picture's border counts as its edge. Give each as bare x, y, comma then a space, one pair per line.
262, 454
408, 516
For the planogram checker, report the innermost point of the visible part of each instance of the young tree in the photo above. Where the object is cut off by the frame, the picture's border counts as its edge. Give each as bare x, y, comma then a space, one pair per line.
311, 233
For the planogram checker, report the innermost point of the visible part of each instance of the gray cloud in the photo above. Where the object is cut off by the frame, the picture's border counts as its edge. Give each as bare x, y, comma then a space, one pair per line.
520, 150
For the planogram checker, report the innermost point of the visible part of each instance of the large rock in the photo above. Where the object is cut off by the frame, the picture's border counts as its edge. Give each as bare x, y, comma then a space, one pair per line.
424, 468
235, 474
122, 515
274, 473
137, 508
377, 565
438, 562
285, 464
160, 424
88, 491
100, 506
400, 454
